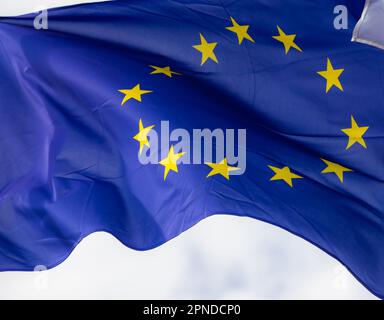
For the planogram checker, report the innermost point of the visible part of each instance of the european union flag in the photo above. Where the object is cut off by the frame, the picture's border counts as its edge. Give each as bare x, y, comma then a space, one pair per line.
141, 118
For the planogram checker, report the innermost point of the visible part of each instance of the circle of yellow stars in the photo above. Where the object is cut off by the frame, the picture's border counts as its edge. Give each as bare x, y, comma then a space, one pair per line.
332, 75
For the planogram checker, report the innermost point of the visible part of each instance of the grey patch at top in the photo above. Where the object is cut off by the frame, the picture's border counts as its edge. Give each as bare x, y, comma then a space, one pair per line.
370, 27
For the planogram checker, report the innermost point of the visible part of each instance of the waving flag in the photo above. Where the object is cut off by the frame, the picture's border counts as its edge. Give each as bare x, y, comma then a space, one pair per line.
141, 118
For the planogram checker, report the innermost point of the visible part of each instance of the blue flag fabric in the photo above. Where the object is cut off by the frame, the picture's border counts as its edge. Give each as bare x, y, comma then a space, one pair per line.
80, 103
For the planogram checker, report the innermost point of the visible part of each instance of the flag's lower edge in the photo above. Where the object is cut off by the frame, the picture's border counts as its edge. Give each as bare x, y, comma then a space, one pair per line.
121, 239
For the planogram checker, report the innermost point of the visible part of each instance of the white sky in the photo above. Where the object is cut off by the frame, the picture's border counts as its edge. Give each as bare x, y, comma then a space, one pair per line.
221, 258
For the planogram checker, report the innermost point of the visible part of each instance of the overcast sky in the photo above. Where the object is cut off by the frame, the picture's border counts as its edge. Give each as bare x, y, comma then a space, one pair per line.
221, 258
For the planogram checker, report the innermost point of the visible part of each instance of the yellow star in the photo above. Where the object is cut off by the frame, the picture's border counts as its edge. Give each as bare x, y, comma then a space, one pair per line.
287, 39
335, 168
170, 162
241, 31
134, 93
284, 174
332, 76
206, 49
221, 168
355, 134
164, 70
142, 136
